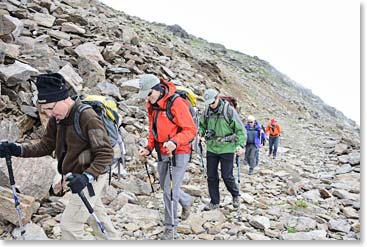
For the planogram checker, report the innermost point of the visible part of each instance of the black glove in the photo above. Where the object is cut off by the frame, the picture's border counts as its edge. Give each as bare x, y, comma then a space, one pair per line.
77, 182
9, 148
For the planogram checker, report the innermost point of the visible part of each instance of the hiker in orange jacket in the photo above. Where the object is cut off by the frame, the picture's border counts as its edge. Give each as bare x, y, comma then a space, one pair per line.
273, 131
168, 137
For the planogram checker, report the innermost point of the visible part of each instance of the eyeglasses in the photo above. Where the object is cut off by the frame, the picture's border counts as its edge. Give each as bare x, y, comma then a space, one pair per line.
250, 122
49, 108
150, 93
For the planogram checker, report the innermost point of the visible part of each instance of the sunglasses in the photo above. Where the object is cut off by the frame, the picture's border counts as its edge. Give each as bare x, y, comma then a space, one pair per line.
250, 122
150, 93
213, 102
49, 108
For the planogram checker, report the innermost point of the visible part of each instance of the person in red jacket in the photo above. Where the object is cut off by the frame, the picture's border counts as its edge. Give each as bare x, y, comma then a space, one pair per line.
273, 130
167, 137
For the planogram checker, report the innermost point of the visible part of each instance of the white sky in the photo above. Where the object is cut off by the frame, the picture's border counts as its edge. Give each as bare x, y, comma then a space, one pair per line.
314, 42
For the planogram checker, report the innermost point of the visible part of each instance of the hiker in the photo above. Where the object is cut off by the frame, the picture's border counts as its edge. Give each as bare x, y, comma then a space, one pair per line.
254, 132
168, 137
273, 130
263, 141
88, 162
222, 129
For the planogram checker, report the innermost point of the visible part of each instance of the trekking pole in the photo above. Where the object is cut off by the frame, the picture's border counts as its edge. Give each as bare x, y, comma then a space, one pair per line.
91, 211
16, 201
238, 168
153, 190
201, 157
170, 167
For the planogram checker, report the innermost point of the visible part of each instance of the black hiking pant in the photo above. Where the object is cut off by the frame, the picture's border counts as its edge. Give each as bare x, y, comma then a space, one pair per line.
226, 165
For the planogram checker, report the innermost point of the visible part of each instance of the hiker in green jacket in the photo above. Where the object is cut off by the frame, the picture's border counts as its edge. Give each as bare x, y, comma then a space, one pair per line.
224, 134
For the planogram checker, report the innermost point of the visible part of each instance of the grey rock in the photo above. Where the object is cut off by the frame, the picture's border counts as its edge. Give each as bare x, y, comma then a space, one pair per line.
312, 235
69, 27
72, 77
339, 225
37, 185
16, 73
91, 72
10, 50
107, 88
44, 19
58, 35
32, 232
344, 169
7, 210
260, 222
341, 148
90, 51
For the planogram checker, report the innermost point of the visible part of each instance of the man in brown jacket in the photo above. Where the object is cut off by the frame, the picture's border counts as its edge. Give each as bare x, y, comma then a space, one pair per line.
87, 161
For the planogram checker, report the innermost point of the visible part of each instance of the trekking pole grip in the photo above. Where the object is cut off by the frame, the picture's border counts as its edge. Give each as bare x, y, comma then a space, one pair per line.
10, 169
85, 201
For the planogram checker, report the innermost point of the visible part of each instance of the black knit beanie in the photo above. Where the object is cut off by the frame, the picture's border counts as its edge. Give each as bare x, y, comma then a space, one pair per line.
51, 88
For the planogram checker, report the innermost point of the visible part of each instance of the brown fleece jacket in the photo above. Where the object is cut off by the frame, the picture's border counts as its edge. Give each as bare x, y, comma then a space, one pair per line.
93, 157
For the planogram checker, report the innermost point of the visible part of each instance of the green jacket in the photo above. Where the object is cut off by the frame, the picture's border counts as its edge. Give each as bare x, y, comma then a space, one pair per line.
222, 128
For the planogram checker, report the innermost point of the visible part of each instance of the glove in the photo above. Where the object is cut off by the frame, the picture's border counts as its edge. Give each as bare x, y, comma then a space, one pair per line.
77, 182
11, 149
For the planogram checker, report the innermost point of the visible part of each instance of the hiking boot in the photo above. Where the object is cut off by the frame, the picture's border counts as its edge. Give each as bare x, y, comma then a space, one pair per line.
251, 172
273, 157
236, 201
185, 212
211, 206
168, 234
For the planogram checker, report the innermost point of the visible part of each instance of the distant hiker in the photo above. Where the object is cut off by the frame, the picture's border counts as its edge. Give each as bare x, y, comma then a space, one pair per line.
87, 161
273, 130
263, 141
253, 141
168, 137
224, 134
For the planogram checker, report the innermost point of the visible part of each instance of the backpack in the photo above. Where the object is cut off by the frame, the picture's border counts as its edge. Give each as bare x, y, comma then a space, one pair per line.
231, 100
227, 112
106, 109
187, 94
191, 98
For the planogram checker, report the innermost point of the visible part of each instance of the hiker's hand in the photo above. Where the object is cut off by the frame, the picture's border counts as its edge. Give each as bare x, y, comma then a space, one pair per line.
239, 151
170, 146
9, 148
144, 152
77, 182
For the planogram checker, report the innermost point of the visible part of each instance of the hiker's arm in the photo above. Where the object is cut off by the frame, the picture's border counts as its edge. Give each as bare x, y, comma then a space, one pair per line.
45, 146
202, 125
239, 130
150, 145
183, 119
99, 142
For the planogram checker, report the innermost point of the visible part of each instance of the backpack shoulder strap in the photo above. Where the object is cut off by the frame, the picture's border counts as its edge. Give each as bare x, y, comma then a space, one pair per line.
227, 112
77, 128
169, 106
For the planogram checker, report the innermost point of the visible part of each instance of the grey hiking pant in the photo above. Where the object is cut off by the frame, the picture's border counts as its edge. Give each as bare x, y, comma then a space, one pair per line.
179, 196
250, 155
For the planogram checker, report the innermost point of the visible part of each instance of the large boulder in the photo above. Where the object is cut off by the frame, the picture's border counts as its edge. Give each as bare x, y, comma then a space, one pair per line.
33, 176
7, 210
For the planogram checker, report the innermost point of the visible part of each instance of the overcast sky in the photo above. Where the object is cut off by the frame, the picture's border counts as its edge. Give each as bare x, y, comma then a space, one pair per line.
314, 42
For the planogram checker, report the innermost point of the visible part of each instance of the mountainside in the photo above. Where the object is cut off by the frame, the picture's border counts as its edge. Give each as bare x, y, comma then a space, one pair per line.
312, 191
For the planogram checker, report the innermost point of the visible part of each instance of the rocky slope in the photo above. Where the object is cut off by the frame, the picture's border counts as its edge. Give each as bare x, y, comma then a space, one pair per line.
312, 191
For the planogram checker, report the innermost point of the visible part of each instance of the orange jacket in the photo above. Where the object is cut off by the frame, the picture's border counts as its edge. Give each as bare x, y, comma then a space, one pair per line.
182, 131
270, 131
